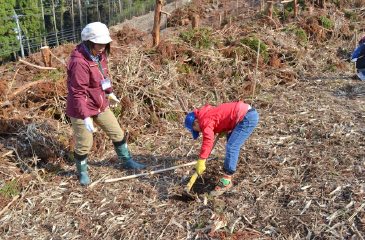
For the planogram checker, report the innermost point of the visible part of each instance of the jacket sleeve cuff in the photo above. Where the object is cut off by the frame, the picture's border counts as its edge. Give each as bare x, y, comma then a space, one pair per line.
204, 156
84, 115
109, 90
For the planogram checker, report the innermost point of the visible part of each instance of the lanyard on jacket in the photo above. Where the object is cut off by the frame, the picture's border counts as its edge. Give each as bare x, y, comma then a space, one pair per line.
102, 71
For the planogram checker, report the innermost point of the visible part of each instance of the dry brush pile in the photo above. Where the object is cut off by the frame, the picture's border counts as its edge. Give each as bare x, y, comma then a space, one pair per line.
300, 174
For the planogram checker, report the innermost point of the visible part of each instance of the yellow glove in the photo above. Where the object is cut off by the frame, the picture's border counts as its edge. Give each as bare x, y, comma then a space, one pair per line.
222, 134
200, 166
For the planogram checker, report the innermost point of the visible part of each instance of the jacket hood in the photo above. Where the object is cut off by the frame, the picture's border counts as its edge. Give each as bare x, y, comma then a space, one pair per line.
203, 111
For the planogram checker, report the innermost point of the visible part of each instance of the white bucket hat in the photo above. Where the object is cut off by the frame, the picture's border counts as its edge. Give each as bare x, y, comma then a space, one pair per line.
96, 32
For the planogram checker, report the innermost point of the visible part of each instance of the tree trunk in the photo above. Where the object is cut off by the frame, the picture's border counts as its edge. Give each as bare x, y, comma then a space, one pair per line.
97, 10
80, 10
61, 23
261, 5
322, 4
270, 6
120, 7
157, 22
54, 21
44, 26
295, 9
28, 42
109, 12
73, 21
86, 14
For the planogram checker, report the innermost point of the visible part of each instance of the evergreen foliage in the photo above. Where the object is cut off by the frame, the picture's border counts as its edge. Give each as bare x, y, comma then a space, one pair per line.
327, 23
37, 31
253, 43
7, 25
30, 21
199, 37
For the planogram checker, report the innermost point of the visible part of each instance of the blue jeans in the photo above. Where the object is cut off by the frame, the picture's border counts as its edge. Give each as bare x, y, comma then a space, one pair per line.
361, 73
236, 139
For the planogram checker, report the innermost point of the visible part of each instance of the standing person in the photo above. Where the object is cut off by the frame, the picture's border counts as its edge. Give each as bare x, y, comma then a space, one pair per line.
358, 56
237, 120
88, 90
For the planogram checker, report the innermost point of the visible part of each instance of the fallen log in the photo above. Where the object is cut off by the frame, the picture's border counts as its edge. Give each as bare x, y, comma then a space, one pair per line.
39, 67
26, 86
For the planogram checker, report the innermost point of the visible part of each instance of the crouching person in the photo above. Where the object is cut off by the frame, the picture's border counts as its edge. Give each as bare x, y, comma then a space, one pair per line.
237, 120
88, 90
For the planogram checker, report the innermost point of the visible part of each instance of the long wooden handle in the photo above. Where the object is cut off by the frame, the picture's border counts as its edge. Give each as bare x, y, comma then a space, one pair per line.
150, 173
163, 170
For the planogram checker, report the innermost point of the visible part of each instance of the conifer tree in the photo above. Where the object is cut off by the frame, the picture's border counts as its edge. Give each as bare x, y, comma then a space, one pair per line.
8, 40
30, 22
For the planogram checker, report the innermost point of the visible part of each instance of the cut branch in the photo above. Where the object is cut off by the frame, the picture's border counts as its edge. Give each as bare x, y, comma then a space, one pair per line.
28, 86
158, 171
166, 13
150, 173
7, 206
36, 66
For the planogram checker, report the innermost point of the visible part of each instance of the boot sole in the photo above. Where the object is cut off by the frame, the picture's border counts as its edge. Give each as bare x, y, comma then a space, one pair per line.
218, 193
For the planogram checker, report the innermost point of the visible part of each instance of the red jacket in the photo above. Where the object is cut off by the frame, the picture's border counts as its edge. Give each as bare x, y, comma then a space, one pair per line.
215, 120
85, 96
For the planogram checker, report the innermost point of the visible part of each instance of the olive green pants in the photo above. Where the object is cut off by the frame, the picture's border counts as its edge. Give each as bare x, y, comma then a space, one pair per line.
106, 121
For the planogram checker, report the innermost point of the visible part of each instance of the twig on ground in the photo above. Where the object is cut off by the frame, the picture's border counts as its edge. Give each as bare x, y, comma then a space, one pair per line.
9, 204
32, 65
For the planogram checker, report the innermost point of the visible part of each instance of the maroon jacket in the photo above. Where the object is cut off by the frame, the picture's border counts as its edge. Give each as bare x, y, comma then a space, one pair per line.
85, 96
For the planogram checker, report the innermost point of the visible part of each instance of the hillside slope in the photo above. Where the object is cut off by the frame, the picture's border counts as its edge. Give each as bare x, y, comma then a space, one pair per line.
300, 174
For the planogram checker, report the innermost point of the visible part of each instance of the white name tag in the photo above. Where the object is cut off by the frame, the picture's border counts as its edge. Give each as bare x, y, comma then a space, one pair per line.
105, 83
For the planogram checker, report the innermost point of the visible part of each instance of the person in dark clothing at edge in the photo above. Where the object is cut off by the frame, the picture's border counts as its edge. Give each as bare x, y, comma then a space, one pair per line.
88, 90
358, 56
236, 120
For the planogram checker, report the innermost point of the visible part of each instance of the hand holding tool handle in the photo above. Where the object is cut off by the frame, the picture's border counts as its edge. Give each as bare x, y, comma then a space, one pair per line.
191, 182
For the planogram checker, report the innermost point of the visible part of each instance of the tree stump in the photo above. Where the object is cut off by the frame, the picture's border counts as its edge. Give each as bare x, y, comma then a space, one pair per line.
184, 22
157, 23
195, 23
322, 4
270, 6
261, 5
46, 55
295, 9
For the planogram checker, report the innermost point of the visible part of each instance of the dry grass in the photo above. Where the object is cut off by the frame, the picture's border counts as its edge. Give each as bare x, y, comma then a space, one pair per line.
300, 174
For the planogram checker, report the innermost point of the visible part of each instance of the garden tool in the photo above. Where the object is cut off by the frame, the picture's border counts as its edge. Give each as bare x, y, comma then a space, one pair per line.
186, 192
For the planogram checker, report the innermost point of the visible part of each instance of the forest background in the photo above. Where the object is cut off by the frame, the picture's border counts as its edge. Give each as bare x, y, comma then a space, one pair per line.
25, 26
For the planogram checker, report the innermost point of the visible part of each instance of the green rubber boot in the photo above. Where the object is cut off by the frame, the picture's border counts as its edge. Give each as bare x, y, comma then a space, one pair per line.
122, 150
81, 165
